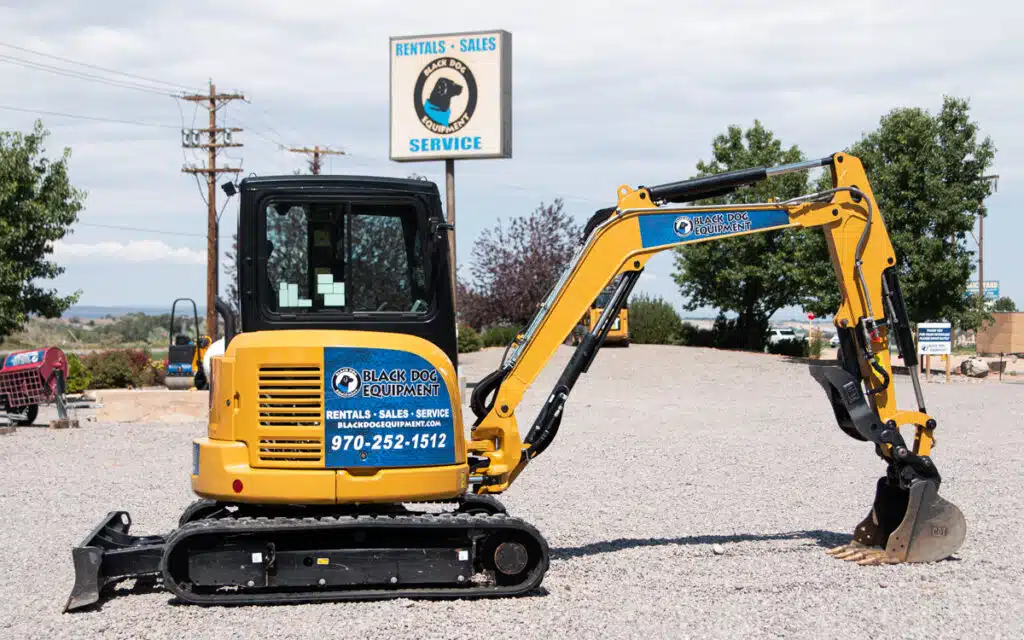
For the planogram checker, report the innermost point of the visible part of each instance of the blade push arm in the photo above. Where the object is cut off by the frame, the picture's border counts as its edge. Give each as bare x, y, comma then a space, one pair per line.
641, 226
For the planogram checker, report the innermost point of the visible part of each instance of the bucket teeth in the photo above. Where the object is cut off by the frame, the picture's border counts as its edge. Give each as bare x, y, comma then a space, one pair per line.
861, 554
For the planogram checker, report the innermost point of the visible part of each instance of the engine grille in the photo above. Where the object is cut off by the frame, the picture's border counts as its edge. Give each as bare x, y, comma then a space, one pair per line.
291, 415
290, 450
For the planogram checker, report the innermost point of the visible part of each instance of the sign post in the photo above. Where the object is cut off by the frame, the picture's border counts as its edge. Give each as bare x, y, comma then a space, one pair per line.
934, 338
451, 98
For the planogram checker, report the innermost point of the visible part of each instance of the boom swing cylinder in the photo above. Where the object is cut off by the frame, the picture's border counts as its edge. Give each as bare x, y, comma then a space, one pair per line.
908, 521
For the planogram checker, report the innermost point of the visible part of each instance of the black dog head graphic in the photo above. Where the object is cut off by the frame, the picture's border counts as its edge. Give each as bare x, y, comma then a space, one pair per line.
444, 91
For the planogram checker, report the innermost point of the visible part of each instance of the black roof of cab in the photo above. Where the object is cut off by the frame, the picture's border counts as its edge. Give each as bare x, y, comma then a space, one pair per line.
405, 185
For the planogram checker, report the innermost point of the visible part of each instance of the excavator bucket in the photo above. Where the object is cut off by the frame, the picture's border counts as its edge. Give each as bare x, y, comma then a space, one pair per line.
906, 525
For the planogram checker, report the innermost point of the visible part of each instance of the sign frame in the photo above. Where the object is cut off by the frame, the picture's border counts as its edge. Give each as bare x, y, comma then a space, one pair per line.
936, 347
504, 100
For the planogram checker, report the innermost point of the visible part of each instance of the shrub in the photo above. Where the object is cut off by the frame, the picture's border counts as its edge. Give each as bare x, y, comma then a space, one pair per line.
78, 376
652, 320
694, 336
469, 339
816, 345
727, 334
117, 368
795, 348
110, 369
499, 336
153, 374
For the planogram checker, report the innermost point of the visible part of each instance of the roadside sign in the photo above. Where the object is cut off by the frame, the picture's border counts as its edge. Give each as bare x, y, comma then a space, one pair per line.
451, 96
934, 338
991, 289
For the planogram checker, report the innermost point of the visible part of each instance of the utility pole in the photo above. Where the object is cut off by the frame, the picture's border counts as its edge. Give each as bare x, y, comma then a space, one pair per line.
317, 151
981, 251
981, 238
212, 101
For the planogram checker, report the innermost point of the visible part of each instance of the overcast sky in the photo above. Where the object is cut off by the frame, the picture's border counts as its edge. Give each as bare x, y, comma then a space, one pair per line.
602, 96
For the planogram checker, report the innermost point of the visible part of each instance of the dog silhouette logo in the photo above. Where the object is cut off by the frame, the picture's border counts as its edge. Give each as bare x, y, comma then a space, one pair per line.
445, 95
683, 226
346, 382
438, 106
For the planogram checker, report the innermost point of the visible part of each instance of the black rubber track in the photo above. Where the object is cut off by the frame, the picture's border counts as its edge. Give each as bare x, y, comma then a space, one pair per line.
260, 526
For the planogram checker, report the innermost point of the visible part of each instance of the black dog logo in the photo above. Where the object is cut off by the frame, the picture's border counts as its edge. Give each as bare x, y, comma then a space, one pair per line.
346, 382
438, 105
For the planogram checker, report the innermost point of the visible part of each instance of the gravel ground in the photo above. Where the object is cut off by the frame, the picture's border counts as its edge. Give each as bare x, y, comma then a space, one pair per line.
691, 493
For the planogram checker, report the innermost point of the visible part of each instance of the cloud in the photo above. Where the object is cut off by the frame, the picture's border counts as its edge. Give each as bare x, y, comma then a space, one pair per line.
134, 251
596, 102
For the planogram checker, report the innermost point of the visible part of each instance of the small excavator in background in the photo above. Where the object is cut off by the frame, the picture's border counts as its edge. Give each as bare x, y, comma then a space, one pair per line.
335, 412
184, 364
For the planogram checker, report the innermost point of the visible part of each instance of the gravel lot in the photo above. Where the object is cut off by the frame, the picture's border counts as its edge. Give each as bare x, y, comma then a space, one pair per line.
664, 454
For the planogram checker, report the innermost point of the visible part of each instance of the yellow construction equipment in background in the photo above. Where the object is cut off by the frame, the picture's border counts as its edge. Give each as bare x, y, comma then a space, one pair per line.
618, 332
336, 409
184, 364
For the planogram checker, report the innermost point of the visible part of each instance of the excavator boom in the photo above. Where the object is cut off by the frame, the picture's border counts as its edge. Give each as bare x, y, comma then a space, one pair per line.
909, 521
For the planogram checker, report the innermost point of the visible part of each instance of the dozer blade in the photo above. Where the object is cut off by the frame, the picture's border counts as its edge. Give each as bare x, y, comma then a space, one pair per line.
109, 553
915, 525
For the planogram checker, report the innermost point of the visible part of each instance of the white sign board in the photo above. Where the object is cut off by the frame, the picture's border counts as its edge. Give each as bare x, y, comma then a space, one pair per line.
451, 96
934, 338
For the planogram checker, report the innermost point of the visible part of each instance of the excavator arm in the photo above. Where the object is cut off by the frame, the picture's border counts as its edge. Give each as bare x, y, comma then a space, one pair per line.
909, 521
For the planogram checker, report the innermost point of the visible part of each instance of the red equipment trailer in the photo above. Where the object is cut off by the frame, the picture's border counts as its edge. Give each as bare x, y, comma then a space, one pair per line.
30, 378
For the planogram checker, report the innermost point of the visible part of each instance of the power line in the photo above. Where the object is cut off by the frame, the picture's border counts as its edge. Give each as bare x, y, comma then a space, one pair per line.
369, 160
267, 118
81, 117
251, 129
162, 232
81, 75
93, 66
316, 151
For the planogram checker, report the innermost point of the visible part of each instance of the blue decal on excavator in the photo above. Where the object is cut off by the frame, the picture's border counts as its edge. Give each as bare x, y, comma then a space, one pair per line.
671, 228
385, 408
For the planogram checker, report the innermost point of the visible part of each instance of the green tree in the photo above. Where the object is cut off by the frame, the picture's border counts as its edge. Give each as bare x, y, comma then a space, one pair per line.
754, 275
652, 320
1004, 305
38, 205
926, 171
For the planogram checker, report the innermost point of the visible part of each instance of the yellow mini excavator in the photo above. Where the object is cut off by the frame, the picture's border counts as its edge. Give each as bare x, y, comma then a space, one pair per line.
335, 417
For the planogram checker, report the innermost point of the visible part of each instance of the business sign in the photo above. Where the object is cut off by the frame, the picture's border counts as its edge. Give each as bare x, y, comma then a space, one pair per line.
385, 408
934, 338
451, 96
991, 289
